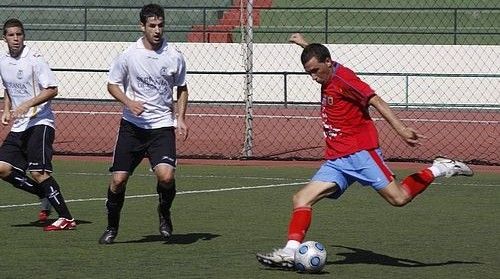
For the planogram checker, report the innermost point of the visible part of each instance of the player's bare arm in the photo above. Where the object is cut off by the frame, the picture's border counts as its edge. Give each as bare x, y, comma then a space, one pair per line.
137, 107
409, 135
6, 108
45, 95
298, 39
182, 100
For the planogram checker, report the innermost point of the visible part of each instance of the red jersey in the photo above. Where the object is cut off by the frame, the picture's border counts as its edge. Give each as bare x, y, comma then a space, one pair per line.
348, 127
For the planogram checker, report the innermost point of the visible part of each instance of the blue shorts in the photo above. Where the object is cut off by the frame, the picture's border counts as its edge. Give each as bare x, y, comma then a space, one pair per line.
366, 167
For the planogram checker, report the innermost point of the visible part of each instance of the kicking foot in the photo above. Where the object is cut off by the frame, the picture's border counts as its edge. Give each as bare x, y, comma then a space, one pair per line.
452, 167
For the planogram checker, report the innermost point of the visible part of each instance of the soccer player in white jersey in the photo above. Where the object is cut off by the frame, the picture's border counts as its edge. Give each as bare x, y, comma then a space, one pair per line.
143, 78
29, 85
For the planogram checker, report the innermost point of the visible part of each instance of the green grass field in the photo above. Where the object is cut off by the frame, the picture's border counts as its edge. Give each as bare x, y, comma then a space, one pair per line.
223, 215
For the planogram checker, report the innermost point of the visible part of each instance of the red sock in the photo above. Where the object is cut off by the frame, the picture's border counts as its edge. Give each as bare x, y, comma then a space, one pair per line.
299, 223
418, 182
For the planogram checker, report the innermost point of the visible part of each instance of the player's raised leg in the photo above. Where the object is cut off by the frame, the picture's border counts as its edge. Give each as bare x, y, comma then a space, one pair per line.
399, 194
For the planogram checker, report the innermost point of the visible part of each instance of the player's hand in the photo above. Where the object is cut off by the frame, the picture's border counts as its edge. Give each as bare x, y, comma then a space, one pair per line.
298, 39
182, 129
136, 107
6, 118
20, 111
411, 136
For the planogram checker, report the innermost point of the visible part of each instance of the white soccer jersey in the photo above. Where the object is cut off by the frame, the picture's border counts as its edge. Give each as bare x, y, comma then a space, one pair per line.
24, 77
149, 76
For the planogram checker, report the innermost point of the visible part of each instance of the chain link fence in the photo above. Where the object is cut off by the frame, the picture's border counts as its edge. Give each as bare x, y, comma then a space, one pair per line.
436, 62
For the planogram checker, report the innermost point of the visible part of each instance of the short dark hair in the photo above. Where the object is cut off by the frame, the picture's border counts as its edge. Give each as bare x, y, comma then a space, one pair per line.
12, 22
151, 10
317, 51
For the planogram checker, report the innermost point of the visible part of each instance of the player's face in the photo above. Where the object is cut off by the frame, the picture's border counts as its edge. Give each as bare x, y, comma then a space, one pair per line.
153, 32
14, 37
320, 72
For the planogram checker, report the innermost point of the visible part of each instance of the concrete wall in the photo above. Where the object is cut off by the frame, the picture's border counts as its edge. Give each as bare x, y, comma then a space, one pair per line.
418, 59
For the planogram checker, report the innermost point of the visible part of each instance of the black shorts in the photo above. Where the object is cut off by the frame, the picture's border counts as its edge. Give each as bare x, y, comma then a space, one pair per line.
30, 150
134, 144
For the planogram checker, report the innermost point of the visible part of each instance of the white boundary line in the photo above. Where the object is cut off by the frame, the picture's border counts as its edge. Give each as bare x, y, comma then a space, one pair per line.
178, 193
215, 191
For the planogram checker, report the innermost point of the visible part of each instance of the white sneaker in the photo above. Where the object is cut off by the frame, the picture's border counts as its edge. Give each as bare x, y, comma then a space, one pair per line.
452, 167
279, 258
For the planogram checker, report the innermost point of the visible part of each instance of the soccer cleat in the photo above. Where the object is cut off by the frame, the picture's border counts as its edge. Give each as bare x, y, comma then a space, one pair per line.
279, 258
108, 236
166, 227
452, 167
61, 224
43, 216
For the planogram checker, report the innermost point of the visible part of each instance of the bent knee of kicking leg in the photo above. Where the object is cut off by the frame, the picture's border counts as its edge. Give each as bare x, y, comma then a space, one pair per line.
400, 201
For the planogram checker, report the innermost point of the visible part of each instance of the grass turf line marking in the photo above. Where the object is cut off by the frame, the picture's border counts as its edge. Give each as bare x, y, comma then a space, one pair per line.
188, 176
178, 193
216, 190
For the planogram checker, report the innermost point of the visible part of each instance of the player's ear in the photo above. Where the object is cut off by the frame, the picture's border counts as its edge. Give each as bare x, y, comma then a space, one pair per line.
328, 62
143, 27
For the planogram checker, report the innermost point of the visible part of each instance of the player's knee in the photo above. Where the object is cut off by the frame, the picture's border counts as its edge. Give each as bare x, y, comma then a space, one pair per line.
5, 170
118, 182
39, 176
166, 180
400, 201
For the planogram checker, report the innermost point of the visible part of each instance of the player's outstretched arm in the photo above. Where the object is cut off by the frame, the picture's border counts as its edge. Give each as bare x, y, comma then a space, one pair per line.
409, 135
298, 39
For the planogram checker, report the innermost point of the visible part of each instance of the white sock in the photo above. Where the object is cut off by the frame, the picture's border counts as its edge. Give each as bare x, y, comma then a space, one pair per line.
437, 170
292, 245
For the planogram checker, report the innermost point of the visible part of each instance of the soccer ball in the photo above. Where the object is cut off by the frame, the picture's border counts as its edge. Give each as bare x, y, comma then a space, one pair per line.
310, 257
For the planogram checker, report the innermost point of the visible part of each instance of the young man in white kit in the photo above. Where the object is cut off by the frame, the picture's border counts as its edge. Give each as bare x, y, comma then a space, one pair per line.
142, 78
29, 85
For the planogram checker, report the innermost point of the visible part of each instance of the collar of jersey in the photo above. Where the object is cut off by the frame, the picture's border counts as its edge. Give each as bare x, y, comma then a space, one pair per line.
140, 44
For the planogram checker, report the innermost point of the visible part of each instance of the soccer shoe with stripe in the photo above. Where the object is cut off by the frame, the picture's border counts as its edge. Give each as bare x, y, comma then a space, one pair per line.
109, 235
452, 167
43, 216
61, 224
279, 258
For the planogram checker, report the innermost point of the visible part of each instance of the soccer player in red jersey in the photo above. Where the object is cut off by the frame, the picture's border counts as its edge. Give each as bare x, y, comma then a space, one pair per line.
352, 149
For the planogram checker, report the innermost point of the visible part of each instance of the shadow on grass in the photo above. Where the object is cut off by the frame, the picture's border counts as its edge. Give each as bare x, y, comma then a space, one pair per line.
187, 238
49, 221
361, 256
